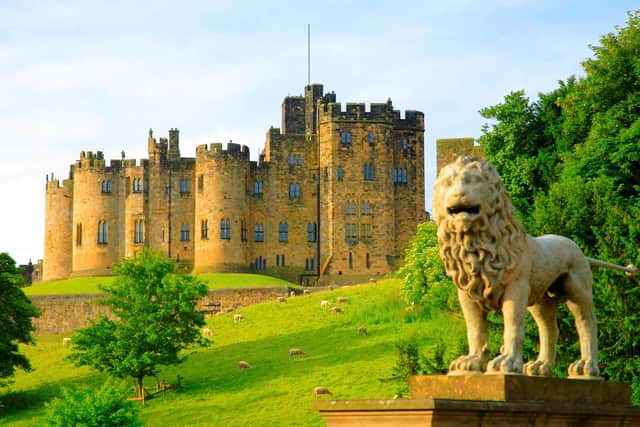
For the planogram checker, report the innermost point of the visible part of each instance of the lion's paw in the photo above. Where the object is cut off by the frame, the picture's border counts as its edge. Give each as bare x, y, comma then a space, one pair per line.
584, 368
505, 364
538, 368
468, 362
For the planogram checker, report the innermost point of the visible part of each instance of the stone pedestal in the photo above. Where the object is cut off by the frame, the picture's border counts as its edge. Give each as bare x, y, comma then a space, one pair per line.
491, 400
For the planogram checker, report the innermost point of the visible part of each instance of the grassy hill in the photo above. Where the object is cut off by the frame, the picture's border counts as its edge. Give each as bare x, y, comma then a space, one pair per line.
276, 391
89, 285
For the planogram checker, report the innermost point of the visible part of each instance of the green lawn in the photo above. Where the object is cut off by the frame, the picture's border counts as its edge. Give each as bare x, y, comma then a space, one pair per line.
276, 391
89, 285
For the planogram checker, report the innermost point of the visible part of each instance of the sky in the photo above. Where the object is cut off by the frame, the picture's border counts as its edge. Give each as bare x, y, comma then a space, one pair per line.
96, 75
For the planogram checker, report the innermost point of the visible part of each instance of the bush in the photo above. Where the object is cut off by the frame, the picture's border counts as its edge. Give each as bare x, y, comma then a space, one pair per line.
105, 407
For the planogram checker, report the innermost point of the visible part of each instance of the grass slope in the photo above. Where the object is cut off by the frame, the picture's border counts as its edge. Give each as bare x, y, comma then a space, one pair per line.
89, 285
276, 391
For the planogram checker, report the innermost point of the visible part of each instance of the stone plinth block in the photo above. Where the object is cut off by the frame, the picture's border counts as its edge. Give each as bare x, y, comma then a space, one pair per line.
491, 400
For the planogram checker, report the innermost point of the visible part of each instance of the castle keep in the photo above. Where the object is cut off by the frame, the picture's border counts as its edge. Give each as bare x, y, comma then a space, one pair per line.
221, 212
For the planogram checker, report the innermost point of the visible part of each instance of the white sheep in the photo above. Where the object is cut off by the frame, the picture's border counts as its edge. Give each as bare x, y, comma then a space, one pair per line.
306, 292
237, 318
206, 332
320, 390
337, 310
292, 293
282, 299
362, 330
343, 299
65, 341
244, 365
324, 304
296, 352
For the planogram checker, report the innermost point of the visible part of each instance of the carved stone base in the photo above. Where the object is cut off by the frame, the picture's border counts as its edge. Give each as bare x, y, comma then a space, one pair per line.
494, 400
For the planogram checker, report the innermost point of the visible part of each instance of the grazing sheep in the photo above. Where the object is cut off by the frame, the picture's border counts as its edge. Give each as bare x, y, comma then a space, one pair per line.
237, 318
306, 292
324, 304
244, 365
373, 281
331, 287
292, 293
282, 299
362, 330
343, 299
337, 310
206, 332
296, 352
65, 341
320, 390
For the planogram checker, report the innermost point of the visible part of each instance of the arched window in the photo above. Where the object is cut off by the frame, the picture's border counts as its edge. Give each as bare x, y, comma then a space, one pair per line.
369, 174
204, 229
79, 234
350, 259
340, 173
312, 232
106, 186
259, 233
138, 231
184, 186
294, 190
368, 261
372, 140
257, 187
185, 232
283, 232
137, 185
345, 139
103, 233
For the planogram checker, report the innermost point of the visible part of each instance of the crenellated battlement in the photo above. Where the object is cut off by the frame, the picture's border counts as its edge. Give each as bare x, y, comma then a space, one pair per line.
55, 186
356, 112
90, 161
215, 151
412, 119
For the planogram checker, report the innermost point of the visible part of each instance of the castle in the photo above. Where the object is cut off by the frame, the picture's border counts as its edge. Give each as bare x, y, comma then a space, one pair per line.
336, 193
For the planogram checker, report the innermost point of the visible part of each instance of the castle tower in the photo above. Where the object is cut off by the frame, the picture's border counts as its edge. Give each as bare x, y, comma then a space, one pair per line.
311, 95
96, 216
58, 230
221, 208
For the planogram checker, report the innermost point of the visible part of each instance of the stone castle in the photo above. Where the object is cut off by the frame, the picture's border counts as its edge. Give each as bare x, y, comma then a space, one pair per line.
336, 193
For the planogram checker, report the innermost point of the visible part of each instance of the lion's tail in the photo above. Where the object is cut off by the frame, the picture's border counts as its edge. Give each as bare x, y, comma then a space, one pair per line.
630, 270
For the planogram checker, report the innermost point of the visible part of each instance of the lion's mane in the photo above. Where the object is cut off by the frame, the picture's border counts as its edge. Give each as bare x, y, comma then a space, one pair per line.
477, 260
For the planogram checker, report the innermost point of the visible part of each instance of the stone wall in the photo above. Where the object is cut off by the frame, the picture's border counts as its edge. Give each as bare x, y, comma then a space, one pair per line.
450, 148
62, 314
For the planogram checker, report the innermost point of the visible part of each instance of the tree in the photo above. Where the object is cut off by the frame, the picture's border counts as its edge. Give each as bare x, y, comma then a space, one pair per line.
16, 313
156, 319
105, 407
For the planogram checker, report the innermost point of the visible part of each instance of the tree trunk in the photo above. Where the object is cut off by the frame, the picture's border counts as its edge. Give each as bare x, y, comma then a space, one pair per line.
139, 389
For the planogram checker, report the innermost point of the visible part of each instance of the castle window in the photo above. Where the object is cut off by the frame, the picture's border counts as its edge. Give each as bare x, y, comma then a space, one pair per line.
260, 264
257, 187
312, 232
225, 229
405, 144
78, 234
351, 232
365, 232
368, 260
400, 176
259, 233
340, 173
184, 186
137, 185
163, 235
282, 260
243, 231
283, 232
365, 207
369, 172
204, 229
138, 231
308, 264
350, 207
294, 191
294, 159
345, 139
103, 236
350, 260
200, 183
185, 232
404, 176
106, 186
372, 140
277, 260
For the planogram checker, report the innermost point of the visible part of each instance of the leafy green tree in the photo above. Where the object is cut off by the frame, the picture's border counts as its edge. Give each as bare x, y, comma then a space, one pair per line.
156, 319
105, 407
16, 313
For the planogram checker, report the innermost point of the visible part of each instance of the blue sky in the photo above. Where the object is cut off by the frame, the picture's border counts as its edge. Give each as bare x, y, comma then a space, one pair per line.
90, 75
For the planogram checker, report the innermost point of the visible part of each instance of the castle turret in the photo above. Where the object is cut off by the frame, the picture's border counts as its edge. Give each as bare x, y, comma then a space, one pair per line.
174, 145
311, 95
58, 230
221, 212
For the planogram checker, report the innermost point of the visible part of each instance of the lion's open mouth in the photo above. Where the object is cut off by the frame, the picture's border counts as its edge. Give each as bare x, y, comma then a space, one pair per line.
471, 210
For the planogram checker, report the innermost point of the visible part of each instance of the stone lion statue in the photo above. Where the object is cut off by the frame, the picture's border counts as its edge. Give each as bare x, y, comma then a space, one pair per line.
498, 267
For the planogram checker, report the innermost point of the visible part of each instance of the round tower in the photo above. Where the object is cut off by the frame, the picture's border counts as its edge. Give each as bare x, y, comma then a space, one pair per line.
96, 221
221, 208
58, 230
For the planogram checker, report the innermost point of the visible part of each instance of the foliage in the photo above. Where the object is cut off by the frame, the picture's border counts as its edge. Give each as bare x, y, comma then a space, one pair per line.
156, 316
570, 160
105, 407
16, 312
425, 280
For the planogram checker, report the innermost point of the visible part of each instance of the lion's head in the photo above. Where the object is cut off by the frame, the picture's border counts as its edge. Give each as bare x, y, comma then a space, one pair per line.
479, 235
